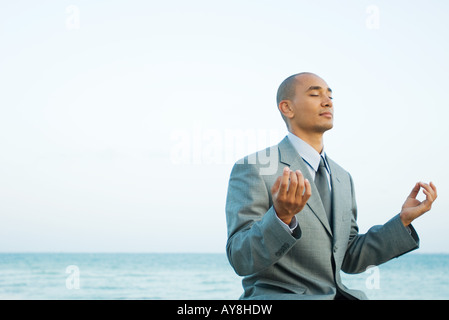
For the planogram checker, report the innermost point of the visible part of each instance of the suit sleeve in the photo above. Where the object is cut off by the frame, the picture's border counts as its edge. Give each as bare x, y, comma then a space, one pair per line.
379, 244
256, 238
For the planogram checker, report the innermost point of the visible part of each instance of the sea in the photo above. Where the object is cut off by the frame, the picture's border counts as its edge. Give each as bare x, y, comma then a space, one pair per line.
191, 276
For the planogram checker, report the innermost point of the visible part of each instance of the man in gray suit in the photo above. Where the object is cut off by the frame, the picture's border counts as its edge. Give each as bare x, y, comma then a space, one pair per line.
291, 211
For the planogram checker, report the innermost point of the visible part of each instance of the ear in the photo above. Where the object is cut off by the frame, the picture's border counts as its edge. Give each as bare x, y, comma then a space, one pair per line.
286, 109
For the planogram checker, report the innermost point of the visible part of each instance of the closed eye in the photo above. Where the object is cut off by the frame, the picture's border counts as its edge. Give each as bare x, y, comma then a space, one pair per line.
317, 95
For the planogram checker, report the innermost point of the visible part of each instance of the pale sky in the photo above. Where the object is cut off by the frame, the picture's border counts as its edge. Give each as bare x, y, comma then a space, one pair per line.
120, 120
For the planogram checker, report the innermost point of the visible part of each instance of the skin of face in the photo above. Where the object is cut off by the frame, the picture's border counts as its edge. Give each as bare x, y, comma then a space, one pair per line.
310, 113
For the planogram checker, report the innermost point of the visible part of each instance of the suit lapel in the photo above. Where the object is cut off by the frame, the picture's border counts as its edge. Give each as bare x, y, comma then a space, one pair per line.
290, 157
340, 196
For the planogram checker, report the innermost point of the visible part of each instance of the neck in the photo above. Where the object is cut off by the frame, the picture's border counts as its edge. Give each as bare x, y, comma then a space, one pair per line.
315, 140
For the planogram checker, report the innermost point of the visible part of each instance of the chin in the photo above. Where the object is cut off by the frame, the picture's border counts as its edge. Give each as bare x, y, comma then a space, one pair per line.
325, 128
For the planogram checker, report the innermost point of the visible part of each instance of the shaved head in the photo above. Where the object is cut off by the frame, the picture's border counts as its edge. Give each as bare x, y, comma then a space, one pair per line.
286, 90
300, 98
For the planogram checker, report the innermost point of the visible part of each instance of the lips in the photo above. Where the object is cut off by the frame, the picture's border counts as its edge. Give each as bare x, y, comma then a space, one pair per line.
327, 114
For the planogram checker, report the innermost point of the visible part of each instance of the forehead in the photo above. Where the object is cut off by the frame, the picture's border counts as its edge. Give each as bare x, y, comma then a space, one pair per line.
305, 81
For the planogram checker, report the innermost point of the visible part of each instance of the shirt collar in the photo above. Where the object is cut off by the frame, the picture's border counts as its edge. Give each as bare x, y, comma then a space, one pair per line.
307, 152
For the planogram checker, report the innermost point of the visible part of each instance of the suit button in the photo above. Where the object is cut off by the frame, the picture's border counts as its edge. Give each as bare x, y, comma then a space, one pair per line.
282, 250
335, 249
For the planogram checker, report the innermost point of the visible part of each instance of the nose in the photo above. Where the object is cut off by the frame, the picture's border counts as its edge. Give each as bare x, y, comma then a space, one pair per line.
327, 102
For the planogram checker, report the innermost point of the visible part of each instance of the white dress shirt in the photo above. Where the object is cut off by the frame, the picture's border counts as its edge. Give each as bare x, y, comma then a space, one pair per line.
312, 158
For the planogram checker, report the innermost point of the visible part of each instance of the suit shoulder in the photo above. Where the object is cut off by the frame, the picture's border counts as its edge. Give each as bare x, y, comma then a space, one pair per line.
261, 157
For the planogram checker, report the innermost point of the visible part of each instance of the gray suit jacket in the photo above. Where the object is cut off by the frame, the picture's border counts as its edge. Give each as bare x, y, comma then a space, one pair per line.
305, 264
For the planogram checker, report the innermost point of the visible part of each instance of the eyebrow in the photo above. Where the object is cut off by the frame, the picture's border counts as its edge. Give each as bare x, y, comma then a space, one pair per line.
318, 88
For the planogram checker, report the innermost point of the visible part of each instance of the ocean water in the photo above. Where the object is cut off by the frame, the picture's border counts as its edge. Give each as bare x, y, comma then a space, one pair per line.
191, 277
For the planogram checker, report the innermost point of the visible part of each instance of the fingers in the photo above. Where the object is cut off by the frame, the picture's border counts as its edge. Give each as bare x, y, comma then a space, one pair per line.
307, 191
429, 190
276, 185
300, 184
304, 189
284, 182
415, 191
292, 186
434, 188
296, 186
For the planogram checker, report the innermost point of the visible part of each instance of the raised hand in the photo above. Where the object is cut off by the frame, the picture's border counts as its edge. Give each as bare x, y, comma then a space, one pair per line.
290, 193
412, 207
